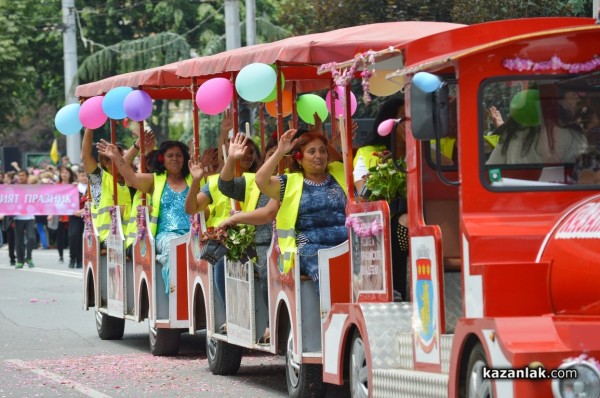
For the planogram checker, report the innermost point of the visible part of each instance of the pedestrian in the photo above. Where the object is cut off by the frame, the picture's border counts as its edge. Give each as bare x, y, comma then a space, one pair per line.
76, 223
24, 231
8, 229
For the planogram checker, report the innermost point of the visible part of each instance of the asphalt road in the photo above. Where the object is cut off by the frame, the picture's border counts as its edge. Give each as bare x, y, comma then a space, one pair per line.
49, 347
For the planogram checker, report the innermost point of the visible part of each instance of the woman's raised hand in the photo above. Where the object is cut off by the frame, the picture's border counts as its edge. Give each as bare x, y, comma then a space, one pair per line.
227, 122
286, 142
107, 149
149, 141
196, 168
237, 146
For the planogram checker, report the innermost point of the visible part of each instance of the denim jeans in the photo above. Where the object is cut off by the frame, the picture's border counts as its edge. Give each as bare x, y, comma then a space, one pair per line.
219, 277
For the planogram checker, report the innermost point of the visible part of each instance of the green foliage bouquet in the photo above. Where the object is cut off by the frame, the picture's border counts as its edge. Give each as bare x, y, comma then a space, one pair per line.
385, 181
240, 242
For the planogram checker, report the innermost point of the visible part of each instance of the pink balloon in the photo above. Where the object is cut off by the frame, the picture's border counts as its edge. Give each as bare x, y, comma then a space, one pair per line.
385, 127
91, 114
214, 96
340, 102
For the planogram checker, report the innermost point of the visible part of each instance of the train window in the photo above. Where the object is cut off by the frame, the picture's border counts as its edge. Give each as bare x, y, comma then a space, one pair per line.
542, 132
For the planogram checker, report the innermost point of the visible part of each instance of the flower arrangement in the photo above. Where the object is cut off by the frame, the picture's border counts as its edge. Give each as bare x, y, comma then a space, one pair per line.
554, 63
385, 181
240, 242
236, 243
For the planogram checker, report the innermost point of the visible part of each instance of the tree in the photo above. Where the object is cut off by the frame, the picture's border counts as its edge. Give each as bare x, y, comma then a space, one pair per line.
32, 70
470, 12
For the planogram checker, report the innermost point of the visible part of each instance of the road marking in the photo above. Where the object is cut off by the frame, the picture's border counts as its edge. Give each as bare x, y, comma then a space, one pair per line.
69, 274
87, 391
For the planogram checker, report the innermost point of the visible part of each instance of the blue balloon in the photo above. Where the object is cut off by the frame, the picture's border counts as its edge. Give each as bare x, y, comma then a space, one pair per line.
255, 82
426, 82
67, 119
112, 104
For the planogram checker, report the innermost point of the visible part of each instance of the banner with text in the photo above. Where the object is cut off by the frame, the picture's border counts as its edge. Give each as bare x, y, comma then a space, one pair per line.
42, 199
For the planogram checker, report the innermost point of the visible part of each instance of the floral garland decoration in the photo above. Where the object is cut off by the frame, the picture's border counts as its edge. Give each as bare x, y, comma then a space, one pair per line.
584, 358
363, 230
195, 223
141, 223
554, 63
113, 220
343, 76
87, 220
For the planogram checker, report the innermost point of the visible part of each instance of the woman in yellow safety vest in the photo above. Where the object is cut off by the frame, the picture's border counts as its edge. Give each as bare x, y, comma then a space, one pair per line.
100, 177
168, 186
258, 209
313, 200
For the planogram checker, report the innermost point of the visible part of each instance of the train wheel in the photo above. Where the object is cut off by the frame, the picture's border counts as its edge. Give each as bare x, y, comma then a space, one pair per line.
359, 370
109, 327
223, 358
164, 342
476, 385
302, 380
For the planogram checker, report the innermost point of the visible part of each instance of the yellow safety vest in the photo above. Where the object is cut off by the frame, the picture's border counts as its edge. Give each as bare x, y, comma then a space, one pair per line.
252, 193
366, 152
132, 225
446, 146
160, 180
221, 204
101, 214
288, 212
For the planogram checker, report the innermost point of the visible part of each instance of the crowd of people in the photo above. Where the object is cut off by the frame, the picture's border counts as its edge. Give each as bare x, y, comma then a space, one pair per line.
24, 233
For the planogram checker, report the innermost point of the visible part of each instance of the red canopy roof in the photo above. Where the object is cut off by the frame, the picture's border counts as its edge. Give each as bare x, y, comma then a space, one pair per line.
173, 81
160, 82
314, 49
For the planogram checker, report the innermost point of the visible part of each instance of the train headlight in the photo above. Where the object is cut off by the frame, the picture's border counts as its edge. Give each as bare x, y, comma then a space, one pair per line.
585, 385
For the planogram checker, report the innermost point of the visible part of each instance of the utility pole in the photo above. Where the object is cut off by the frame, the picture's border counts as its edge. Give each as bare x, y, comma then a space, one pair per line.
232, 24
251, 22
70, 72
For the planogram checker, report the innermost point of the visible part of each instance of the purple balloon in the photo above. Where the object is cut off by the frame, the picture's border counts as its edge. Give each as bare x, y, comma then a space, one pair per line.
91, 114
138, 105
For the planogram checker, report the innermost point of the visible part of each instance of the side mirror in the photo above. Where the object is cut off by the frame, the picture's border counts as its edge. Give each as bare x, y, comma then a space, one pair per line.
429, 112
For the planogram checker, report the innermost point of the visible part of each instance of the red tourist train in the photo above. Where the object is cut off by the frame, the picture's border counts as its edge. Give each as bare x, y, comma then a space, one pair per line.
503, 261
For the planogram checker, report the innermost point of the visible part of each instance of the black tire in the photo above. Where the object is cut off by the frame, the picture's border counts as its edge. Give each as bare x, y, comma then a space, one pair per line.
359, 370
475, 385
109, 327
302, 380
164, 342
224, 359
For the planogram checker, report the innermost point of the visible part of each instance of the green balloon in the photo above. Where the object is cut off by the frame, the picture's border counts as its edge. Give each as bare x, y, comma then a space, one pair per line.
273, 95
525, 108
308, 104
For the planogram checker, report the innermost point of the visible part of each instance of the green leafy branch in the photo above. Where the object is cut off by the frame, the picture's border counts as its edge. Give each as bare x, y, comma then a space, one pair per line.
386, 181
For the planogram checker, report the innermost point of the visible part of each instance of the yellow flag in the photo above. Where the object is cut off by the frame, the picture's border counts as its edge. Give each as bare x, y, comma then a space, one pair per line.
54, 154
